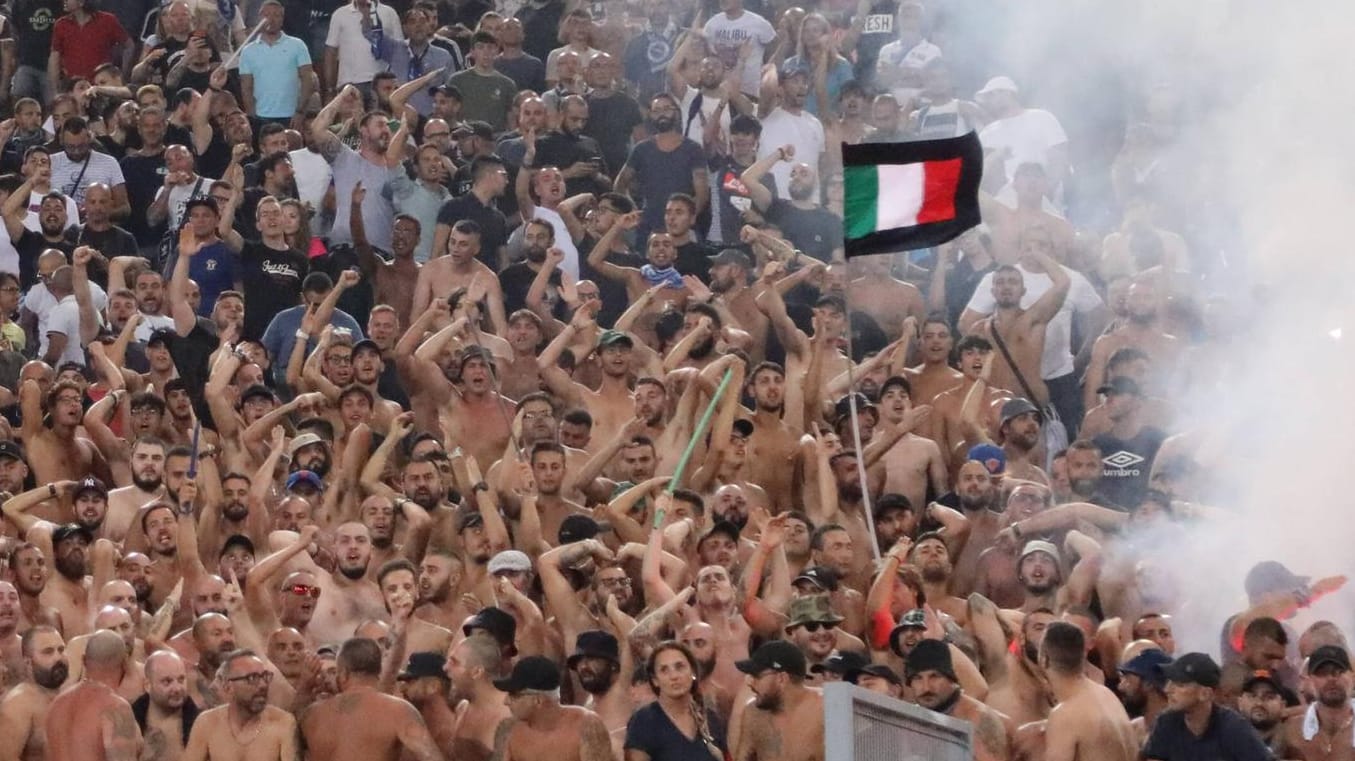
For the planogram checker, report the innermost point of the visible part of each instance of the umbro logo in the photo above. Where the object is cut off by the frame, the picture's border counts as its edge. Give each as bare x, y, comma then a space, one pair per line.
1121, 460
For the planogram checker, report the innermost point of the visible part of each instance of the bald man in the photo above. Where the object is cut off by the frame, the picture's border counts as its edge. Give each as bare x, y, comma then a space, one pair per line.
206, 596
90, 720
165, 713
116, 620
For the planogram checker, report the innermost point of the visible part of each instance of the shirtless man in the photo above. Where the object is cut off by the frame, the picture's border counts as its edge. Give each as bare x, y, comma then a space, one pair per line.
246, 728
114, 619
773, 448
68, 590
55, 452
882, 296
914, 463
1016, 684
165, 713
148, 469
541, 726
458, 269
931, 554
440, 575
28, 566
206, 596
1010, 222
729, 271
977, 495
603, 675
930, 674
472, 665
1023, 330
378, 727
1141, 331
785, 720
423, 683
397, 581
953, 408
612, 405
89, 720
1019, 432
935, 374
1088, 722
478, 416
24, 708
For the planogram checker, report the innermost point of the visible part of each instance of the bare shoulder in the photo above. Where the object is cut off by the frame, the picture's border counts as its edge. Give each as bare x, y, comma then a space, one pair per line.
278, 717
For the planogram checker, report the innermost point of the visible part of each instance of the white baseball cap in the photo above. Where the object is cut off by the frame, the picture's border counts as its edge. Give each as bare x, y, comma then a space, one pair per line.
998, 84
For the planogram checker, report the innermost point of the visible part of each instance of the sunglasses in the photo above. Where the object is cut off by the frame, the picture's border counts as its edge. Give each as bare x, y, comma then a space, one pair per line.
301, 590
813, 626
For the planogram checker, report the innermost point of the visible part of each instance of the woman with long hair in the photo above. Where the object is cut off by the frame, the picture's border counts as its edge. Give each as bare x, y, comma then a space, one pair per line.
677, 726
296, 225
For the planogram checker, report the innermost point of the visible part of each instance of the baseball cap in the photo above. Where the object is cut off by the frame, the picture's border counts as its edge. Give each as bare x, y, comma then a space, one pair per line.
66, 531
305, 477
90, 483
1147, 666
451, 91
777, 655
820, 576
1328, 654
840, 663
743, 427
256, 390
1193, 668
1040, 545
535, 672
873, 669
509, 560
421, 664
304, 440
469, 519
474, 127
732, 256
494, 622
794, 68
1120, 384
366, 343
576, 528
1266, 577
614, 338
998, 84
1017, 407
164, 336
990, 456
843, 406
238, 540
1268, 677
11, 450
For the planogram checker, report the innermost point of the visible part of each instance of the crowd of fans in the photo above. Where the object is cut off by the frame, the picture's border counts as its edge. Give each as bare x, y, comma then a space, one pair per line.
447, 379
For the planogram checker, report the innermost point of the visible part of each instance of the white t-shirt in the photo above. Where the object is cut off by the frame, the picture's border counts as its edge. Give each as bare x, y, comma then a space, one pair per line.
180, 195
1030, 134
805, 132
40, 302
1057, 360
357, 65
64, 318
563, 240
312, 175
696, 127
34, 220
725, 35
151, 323
72, 178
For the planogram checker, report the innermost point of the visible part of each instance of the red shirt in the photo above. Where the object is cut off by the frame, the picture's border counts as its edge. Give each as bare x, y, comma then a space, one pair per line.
84, 48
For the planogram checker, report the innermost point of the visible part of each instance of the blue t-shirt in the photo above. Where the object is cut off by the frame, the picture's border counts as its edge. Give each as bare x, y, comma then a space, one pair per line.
214, 270
273, 67
280, 336
650, 730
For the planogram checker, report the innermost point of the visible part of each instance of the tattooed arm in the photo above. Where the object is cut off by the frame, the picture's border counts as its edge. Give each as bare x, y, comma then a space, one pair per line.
597, 742
501, 734
121, 736
416, 740
990, 738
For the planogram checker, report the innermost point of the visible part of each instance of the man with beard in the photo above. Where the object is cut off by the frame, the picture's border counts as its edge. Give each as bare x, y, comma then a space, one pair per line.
542, 725
171, 537
931, 554
165, 713
147, 466
24, 708
28, 568
578, 155
387, 726
1019, 432
11, 644
699, 637
378, 514
976, 491
808, 226
1141, 332
394, 282
369, 165
213, 639
246, 726
1131, 444
52, 220
729, 283
584, 609
930, 675
69, 591
785, 719
241, 514
773, 448
89, 719
812, 626
613, 404
1142, 690
549, 475
1264, 702
1084, 474
51, 422
207, 595
423, 683
961, 415
1016, 682
397, 581
1088, 722
347, 596
1198, 727
662, 165
472, 665
440, 574
596, 663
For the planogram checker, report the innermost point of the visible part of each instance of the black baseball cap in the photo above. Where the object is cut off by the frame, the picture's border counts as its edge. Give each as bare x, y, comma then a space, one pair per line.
1263, 676
722, 527
732, 256
12, 450
1194, 668
577, 528
421, 665
873, 669
535, 672
841, 663
238, 540
821, 576
1329, 654
499, 624
163, 336
777, 655
257, 389
69, 530
91, 484
477, 128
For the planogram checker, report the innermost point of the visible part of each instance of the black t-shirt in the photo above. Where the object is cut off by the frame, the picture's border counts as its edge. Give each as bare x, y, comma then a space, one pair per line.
1228, 737
651, 731
693, 258
877, 32
526, 70
815, 231
1125, 464
731, 198
540, 27
272, 282
190, 354
112, 242
213, 161
516, 280
558, 149
145, 175
659, 174
176, 135
33, 21
611, 121
119, 150
30, 246
174, 52
493, 225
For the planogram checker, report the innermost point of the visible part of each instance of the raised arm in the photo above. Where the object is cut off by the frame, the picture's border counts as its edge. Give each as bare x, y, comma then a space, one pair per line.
1048, 305
752, 176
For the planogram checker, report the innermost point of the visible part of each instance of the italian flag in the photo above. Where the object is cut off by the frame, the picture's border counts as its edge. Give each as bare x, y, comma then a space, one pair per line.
903, 196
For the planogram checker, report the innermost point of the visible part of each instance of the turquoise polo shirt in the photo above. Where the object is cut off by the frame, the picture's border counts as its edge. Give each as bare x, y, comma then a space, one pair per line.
273, 67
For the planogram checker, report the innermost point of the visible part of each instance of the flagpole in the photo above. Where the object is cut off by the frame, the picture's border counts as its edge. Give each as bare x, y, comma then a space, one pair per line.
856, 425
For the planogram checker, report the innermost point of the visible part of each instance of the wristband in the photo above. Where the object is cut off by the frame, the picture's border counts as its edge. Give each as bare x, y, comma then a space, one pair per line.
185, 508
51, 490
1016, 530
303, 335
479, 486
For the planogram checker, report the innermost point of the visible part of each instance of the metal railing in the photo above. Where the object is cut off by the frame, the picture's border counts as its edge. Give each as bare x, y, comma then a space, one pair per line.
860, 725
